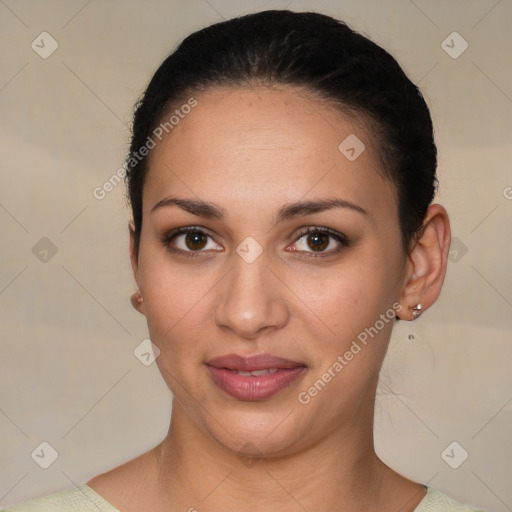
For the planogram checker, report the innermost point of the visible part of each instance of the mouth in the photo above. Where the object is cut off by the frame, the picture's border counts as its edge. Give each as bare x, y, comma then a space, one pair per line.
253, 378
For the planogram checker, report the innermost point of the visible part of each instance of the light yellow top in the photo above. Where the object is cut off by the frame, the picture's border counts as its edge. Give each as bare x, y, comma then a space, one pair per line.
84, 499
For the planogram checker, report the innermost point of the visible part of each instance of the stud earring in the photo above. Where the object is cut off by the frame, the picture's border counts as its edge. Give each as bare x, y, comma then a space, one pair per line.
136, 299
416, 311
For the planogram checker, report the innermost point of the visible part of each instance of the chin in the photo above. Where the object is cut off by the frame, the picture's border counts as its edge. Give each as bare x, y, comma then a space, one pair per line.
255, 443
256, 430
270, 427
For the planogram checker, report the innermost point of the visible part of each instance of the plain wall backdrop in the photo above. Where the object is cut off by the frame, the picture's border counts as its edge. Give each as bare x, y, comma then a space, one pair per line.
69, 375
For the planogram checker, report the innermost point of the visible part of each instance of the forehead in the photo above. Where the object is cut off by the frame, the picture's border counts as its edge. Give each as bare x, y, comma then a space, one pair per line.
251, 144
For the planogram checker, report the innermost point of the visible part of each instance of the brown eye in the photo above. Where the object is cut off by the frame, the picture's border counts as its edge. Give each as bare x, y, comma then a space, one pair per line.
190, 241
195, 240
318, 241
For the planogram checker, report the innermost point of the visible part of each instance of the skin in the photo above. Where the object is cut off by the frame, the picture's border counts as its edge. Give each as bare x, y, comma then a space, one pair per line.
252, 151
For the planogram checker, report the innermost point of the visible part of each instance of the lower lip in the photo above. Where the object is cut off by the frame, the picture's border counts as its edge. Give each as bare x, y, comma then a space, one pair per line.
252, 388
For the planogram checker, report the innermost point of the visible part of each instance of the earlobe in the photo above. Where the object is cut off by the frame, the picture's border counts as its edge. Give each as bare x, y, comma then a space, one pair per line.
137, 301
427, 262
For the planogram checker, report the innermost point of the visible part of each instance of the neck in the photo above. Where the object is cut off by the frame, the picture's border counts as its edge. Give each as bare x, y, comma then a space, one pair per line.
342, 472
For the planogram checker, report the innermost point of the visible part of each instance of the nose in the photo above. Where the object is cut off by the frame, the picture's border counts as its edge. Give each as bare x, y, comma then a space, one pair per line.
251, 300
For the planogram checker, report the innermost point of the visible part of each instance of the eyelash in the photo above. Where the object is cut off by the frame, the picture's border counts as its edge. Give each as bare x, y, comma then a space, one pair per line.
339, 237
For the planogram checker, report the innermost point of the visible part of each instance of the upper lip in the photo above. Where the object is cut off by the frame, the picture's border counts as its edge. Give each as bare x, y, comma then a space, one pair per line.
252, 363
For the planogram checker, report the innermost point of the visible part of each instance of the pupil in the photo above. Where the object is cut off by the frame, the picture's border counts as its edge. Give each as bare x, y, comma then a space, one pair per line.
319, 240
195, 240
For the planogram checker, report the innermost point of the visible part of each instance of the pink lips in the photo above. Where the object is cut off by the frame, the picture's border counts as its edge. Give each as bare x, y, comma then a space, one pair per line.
253, 378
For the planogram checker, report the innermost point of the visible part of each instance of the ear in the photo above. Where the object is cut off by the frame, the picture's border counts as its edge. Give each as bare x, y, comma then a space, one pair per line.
135, 266
427, 262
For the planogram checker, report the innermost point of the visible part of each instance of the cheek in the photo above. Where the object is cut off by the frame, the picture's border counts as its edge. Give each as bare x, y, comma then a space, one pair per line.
176, 314
346, 304
345, 294
173, 296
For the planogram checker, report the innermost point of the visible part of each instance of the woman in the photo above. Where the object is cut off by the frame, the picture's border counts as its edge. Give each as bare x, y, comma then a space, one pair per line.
281, 174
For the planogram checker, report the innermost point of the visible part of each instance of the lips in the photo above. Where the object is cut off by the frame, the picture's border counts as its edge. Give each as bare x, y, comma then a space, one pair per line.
253, 378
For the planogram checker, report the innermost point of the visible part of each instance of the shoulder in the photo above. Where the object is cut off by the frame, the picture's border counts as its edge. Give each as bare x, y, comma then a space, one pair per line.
79, 499
436, 501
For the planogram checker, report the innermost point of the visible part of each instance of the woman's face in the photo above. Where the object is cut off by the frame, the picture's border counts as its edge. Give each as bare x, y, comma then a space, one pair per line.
248, 289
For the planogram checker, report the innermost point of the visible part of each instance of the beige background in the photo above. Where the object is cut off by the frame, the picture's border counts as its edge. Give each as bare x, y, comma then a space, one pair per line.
69, 374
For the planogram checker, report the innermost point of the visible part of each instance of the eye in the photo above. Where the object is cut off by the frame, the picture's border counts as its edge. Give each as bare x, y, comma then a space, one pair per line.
190, 240
320, 241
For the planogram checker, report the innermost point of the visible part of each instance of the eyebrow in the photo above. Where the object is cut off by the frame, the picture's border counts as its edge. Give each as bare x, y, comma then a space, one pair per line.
211, 210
